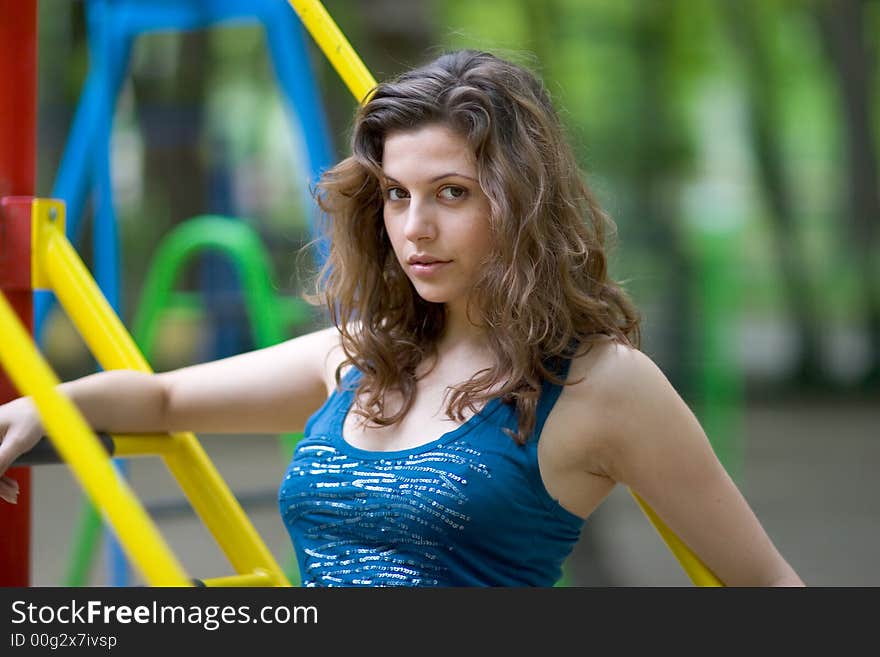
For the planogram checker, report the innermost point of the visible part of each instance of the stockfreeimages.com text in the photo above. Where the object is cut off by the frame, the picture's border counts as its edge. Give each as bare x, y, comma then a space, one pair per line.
211, 617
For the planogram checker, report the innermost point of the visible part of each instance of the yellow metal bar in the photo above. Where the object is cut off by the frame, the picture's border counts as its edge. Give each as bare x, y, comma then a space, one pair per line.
695, 569
220, 511
53, 215
336, 47
126, 446
206, 491
253, 579
58, 265
80, 448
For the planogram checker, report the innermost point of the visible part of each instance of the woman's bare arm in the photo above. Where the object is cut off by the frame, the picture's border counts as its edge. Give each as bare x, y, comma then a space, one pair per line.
652, 442
266, 391
270, 390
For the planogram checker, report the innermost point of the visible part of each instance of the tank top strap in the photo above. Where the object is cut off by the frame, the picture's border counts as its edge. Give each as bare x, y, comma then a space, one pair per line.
550, 393
350, 379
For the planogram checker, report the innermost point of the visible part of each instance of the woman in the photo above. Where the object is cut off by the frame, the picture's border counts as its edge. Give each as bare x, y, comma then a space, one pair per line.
480, 391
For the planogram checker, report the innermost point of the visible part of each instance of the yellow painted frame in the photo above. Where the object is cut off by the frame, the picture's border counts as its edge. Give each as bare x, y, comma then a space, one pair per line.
80, 448
57, 267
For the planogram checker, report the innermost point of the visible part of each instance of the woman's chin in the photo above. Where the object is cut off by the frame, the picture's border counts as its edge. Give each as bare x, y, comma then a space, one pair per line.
433, 295
434, 298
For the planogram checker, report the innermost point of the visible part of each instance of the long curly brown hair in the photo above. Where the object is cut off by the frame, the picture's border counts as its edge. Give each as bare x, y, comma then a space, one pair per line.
546, 294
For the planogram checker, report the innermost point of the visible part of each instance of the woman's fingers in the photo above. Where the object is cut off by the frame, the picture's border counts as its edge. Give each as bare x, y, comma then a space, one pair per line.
8, 489
9, 451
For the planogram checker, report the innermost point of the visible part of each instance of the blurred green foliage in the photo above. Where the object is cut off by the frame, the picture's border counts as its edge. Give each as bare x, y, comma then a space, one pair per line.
678, 110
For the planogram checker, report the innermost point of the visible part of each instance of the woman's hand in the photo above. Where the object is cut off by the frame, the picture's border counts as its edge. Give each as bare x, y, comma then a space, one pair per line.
20, 429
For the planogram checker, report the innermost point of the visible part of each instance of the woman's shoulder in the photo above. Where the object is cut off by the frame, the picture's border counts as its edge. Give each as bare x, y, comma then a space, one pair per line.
614, 393
608, 368
328, 344
617, 378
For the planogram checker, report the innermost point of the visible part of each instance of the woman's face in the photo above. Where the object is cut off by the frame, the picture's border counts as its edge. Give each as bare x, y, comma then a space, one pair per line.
435, 213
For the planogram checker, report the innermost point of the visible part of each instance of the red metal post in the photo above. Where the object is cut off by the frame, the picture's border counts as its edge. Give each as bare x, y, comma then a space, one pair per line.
18, 142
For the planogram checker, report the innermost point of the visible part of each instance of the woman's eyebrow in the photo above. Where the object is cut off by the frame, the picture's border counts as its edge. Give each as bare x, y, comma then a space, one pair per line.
435, 178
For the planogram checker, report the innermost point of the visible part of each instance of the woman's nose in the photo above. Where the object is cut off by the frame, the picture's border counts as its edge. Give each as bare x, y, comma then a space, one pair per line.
420, 223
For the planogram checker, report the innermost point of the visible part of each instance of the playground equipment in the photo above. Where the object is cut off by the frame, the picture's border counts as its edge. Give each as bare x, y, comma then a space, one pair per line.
112, 28
268, 312
56, 266
18, 145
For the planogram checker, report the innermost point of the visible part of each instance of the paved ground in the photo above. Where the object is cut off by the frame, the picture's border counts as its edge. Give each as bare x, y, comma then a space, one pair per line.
811, 474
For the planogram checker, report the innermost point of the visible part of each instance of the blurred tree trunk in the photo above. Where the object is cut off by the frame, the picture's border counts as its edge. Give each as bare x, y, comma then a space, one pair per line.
390, 36
398, 34
543, 19
842, 25
662, 154
170, 106
61, 76
761, 87
170, 111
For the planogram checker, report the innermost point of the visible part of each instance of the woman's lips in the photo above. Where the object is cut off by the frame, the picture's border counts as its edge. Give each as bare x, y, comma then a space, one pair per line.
428, 269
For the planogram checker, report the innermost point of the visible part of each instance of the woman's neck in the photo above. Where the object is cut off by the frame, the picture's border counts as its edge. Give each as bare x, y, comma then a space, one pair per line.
460, 335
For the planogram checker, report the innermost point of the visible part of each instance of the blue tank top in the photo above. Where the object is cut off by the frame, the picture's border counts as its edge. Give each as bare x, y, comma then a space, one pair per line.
466, 509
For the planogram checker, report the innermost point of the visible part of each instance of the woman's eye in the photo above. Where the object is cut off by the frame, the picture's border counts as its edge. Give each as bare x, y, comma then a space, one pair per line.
451, 193
395, 194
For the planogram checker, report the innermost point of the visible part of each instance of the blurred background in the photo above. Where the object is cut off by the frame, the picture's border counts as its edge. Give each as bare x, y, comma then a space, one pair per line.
734, 142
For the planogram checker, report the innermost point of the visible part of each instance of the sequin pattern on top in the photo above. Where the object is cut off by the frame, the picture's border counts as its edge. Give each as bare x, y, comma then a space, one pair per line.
378, 521
466, 509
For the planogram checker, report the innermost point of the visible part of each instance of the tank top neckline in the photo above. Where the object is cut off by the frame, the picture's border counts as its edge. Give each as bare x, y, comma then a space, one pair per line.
549, 393
346, 401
